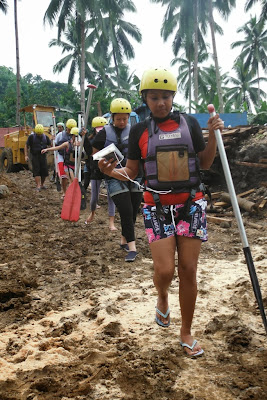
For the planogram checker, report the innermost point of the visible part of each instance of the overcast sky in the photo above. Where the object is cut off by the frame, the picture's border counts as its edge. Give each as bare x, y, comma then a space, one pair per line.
37, 58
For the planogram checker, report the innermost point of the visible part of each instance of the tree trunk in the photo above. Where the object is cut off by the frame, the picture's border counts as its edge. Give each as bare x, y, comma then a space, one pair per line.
195, 72
116, 68
17, 64
259, 93
189, 84
99, 110
218, 78
82, 68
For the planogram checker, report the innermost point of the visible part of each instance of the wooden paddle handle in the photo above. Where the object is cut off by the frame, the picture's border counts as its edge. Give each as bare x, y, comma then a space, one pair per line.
89, 100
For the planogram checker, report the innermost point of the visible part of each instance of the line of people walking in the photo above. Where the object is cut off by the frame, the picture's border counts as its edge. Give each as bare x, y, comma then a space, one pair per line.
162, 158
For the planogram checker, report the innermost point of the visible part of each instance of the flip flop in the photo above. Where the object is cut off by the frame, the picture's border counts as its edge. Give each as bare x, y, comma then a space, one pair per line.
159, 322
199, 353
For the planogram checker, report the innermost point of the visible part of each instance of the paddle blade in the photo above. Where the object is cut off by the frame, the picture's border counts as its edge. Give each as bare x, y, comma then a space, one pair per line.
72, 202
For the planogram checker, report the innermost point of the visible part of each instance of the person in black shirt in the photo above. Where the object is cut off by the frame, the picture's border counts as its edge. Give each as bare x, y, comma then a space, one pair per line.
38, 141
126, 195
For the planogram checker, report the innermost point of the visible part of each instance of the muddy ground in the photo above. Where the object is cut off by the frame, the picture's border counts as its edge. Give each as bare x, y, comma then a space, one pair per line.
77, 322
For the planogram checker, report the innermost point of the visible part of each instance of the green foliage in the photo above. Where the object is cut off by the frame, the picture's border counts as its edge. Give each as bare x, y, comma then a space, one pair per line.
261, 114
33, 90
3, 6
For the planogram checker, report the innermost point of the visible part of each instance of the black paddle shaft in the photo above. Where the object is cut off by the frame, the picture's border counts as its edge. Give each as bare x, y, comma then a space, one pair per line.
240, 224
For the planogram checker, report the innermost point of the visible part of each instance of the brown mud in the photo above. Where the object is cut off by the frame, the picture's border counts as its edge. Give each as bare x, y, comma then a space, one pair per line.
77, 321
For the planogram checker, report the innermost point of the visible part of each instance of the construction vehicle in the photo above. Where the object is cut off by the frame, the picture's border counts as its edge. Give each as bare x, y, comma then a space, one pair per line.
12, 157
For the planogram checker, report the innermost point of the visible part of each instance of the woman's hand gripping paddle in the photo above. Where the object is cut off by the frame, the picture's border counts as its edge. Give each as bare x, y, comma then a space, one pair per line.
246, 249
72, 201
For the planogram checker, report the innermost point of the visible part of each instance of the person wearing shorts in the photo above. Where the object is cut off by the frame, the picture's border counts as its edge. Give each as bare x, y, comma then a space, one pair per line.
66, 167
96, 175
63, 168
36, 142
172, 149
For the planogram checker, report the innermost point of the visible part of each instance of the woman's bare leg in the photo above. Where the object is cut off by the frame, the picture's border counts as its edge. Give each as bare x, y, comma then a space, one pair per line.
112, 226
163, 254
188, 253
91, 217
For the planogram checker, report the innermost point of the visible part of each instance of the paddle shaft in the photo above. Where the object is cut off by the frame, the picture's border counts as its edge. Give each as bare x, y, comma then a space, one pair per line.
89, 100
246, 249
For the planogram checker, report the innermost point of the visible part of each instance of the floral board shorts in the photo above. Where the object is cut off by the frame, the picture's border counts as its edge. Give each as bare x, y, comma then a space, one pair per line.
174, 222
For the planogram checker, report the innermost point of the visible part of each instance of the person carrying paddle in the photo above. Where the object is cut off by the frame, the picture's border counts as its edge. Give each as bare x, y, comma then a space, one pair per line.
60, 128
173, 150
63, 137
96, 175
68, 148
36, 142
126, 195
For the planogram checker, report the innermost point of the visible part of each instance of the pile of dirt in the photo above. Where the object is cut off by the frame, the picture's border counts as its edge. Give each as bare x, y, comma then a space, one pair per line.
77, 322
245, 147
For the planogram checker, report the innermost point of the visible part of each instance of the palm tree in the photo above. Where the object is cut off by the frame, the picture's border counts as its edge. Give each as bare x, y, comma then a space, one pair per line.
187, 70
58, 11
224, 8
3, 6
254, 46
192, 25
112, 31
243, 90
17, 63
250, 3
72, 46
188, 35
207, 89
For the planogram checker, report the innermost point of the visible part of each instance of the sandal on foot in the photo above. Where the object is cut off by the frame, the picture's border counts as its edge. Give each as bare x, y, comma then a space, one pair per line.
199, 353
159, 322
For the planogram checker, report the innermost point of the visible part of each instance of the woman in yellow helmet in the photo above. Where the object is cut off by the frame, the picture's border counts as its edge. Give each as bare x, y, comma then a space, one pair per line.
68, 148
126, 195
64, 136
96, 176
173, 150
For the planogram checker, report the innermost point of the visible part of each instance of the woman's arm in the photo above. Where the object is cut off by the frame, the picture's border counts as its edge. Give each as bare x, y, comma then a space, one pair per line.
129, 171
61, 146
206, 157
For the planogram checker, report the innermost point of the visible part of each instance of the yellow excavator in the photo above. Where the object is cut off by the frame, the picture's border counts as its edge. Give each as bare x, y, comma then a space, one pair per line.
12, 157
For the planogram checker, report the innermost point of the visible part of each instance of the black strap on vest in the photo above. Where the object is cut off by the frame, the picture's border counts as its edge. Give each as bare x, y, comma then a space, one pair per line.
159, 208
149, 126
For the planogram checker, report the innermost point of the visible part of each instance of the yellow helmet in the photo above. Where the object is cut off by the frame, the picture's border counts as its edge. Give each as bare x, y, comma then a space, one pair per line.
99, 121
74, 131
39, 129
121, 106
71, 123
158, 78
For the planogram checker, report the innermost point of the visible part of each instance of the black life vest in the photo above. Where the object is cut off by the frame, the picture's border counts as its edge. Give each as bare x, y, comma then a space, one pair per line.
39, 142
65, 137
120, 141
